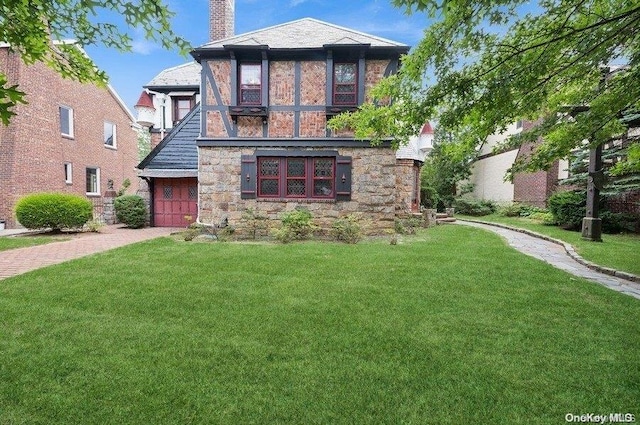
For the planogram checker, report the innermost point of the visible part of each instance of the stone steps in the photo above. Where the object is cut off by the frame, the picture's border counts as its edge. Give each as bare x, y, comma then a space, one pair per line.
442, 218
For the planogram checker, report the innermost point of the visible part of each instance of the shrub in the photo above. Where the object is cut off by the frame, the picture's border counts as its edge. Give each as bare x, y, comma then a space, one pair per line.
473, 207
407, 226
349, 229
53, 210
510, 210
545, 218
568, 208
131, 211
296, 225
619, 222
255, 222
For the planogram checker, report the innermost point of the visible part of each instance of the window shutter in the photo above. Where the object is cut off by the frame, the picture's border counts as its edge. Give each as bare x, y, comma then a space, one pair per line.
343, 178
248, 176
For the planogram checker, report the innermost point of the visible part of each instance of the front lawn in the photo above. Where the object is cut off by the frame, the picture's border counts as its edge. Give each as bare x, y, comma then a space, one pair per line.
620, 252
12, 242
448, 327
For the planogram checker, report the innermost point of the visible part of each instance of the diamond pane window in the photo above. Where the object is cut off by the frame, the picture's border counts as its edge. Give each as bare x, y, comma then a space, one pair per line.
193, 192
167, 192
296, 177
345, 77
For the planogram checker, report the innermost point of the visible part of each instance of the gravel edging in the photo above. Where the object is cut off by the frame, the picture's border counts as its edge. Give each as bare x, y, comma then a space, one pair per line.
570, 250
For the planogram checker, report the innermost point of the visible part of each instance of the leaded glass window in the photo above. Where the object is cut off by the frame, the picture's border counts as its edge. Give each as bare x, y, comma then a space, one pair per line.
250, 84
345, 77
296, 177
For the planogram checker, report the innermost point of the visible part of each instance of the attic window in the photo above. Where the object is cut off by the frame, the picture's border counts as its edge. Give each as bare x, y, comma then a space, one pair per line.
345, 90
250, 84
181, 107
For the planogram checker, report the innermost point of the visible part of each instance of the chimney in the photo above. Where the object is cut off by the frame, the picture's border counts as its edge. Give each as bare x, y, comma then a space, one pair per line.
221, 19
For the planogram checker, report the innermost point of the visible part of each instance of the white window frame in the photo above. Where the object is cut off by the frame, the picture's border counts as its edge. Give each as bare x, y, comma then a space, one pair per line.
68, 173
97, 192
113, 145
69, 110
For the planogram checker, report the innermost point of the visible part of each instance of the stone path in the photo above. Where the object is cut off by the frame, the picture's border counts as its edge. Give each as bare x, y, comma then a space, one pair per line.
17, 261
562, 257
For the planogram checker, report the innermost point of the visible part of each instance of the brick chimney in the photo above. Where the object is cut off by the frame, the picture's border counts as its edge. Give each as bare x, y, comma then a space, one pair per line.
221, 19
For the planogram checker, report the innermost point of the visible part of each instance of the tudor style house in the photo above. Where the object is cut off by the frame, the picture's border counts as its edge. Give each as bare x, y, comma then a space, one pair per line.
258, 137
70, 137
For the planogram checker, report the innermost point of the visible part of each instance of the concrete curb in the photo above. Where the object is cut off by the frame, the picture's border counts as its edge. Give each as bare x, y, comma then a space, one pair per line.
570, 250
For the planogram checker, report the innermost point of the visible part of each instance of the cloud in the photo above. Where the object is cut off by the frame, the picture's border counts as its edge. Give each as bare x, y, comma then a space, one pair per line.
294, 3
143, 46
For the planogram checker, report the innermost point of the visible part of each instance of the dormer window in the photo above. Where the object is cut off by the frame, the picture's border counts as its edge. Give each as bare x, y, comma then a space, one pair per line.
250, 84
181, 107
345, 84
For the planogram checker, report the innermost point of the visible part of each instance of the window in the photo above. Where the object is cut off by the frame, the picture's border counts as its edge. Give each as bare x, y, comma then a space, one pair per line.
345, 77
93, 181
68, 173
181, 107
250, 84
66, 121
109, 134
295, 177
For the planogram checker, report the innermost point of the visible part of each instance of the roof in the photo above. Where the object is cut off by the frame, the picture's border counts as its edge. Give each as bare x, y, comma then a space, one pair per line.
187, 74
145, 100
306, 33
178, 150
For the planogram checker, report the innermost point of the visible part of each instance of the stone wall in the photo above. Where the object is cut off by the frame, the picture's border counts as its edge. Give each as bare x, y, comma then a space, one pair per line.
373, 190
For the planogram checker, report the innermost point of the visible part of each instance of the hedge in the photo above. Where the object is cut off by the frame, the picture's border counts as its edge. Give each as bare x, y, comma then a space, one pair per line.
54, 211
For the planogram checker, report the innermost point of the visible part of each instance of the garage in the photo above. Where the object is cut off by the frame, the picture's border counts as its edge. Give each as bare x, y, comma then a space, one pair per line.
175, 202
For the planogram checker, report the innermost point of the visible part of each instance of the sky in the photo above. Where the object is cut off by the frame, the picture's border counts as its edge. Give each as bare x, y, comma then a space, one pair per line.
129, 72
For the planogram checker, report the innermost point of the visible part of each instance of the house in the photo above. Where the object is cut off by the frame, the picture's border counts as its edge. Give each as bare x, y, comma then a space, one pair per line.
489, 170
70, 137
258, 137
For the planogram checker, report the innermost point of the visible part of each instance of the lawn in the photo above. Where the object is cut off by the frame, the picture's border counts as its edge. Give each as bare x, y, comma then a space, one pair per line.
12, 242
448, 327
620, 252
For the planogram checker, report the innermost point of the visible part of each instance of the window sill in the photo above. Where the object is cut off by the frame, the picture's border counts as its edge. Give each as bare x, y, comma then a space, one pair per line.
248, 111
67, 136
338, 109
93, 195
113, 148
302, 200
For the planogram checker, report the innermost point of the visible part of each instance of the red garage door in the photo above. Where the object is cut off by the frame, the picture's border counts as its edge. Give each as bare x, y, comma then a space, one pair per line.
173, 200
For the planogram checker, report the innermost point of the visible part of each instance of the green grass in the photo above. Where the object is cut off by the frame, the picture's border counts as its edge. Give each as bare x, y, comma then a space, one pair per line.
449, 327
621, 252
13, 242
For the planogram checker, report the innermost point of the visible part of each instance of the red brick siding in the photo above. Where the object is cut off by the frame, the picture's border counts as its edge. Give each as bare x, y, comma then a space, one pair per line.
221, 19
313, 90
281, 83
249, 126
534, 188
33, 151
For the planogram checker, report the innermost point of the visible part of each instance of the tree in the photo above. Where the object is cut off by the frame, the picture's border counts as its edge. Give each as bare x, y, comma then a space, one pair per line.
29, 27
485, 64
446, 166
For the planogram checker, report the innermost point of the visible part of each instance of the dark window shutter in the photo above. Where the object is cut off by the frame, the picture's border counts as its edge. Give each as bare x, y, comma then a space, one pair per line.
343, 178
248, 176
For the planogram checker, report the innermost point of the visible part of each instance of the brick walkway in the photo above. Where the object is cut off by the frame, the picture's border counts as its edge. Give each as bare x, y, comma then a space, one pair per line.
563, 257
17, 261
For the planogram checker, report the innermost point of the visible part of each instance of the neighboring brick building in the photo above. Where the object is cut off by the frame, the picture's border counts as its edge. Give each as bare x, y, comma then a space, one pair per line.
263, 143
70, 137
489, 170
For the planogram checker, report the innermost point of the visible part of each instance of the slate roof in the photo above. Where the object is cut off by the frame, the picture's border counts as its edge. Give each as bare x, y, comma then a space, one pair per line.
307, 33
187, 74
177, 152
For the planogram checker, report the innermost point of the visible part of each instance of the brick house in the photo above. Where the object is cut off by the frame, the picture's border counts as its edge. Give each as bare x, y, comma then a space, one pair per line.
488, 171
258, 137
70, 137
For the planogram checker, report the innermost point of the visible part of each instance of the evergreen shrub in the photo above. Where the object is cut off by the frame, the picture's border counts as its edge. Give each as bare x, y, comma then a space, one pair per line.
131, 211
53, 210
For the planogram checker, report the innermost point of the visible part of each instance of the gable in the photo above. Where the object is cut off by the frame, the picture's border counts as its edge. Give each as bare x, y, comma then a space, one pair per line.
178, 150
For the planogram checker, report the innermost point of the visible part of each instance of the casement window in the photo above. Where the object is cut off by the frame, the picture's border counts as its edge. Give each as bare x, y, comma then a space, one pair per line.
250, 92
345, 83
109, 137
68, 173
93, 181
181, 107
66, 121
317, 177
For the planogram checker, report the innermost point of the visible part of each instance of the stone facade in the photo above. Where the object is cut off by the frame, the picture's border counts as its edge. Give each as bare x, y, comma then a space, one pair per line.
373, 190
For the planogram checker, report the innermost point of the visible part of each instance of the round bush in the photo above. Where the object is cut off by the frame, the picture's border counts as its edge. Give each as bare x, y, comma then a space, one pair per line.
53, 210
568, 208
131, 211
